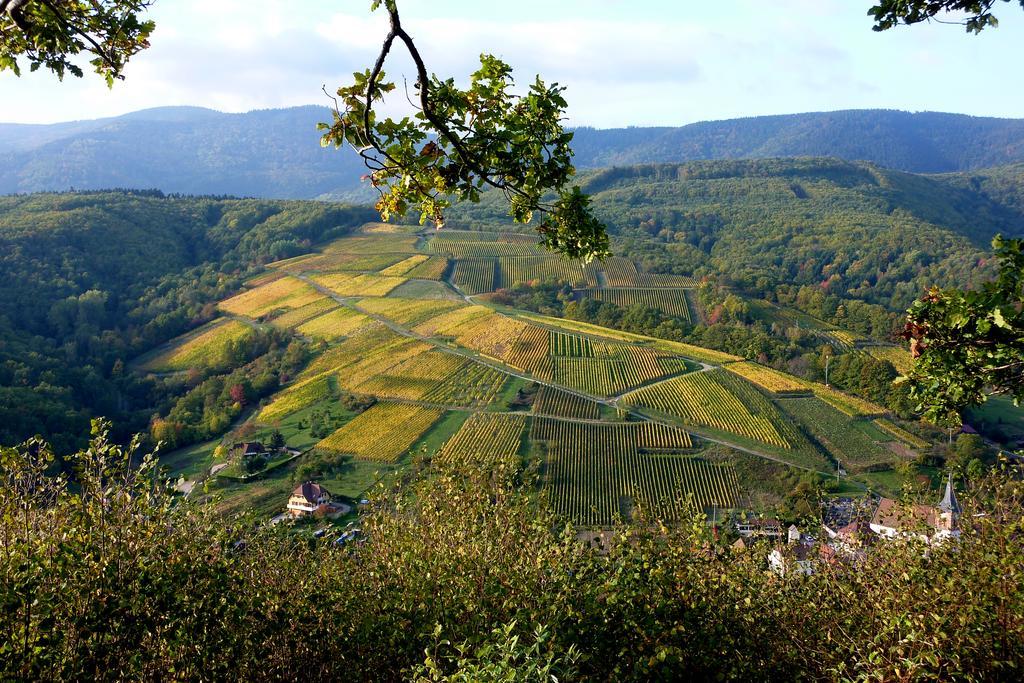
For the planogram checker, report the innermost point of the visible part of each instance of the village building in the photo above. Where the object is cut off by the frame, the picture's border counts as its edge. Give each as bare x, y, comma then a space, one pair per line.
760, 527
931, 524
309, 498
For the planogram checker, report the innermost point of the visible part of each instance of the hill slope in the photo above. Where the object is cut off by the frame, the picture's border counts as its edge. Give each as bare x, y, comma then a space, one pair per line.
92, 279
845, 228
276, 153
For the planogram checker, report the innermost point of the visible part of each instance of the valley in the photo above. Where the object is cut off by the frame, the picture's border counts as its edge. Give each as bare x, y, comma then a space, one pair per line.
402, 322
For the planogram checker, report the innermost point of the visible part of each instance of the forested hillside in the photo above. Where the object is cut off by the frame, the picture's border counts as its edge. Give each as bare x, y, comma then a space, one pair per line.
771, 227
90, 280
276, 153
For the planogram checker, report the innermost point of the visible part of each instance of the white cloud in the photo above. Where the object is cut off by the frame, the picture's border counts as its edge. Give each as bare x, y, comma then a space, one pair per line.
623, 63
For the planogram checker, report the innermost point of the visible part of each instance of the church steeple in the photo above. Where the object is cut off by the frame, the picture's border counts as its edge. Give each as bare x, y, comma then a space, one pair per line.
949, 503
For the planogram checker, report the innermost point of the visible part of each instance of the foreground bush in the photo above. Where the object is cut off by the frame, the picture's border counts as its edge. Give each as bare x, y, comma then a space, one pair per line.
462, 578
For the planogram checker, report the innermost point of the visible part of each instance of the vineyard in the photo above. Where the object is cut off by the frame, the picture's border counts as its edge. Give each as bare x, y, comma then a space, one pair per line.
718, 400
339, 261
845, 403
283, 293
344, 284
408, 312
475, 386
551, 401
385, 432
485, 438
461, 249
199, 348
530, 352
432, 269
855, 443
373, 244
297, 396
333, 325
899, 357
474, 276
614, 272
414, 377
770, 380
593, 472
660, 280
513, 271
403, 267
608, 375
420, 367
900, 433
295, 317
670, 301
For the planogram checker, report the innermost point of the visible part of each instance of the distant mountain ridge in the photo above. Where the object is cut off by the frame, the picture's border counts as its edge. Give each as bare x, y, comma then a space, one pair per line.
276, 152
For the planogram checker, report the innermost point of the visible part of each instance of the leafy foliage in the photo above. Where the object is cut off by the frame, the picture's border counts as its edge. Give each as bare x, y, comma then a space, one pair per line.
462, 577
969, 343
461, 141
890, 13
51, 33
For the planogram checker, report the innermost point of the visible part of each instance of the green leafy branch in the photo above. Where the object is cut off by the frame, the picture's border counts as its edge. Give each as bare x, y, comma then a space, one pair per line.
462, 142
50, 33
969, 343
890, 13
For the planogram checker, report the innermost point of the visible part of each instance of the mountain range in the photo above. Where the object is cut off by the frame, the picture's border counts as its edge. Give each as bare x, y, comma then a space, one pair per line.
275, 153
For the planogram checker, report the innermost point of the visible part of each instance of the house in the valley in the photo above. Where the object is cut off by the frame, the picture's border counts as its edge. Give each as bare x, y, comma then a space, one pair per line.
309, 498
931, 524
250, 449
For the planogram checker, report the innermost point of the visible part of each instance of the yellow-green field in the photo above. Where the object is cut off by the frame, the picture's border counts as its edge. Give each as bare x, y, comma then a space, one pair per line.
199, 348
285, 293
385, 432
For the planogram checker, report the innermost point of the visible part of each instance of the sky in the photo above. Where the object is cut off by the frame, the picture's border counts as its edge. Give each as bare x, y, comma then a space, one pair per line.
658, 62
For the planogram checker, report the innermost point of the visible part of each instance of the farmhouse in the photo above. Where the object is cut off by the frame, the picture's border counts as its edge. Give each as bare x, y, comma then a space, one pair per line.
250, 449
309, 498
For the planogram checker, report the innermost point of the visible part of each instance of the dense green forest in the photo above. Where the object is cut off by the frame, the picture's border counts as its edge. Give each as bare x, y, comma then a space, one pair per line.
274, 153
92, 280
